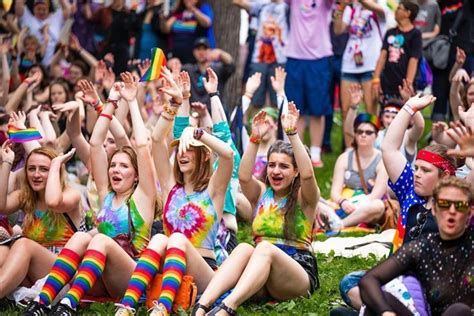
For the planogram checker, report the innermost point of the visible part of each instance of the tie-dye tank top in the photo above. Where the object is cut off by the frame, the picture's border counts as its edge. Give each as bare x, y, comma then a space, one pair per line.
192, 215
112, 222
48, 233
269, 220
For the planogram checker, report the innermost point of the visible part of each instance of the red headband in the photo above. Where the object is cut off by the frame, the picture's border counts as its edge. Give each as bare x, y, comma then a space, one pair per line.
436, 160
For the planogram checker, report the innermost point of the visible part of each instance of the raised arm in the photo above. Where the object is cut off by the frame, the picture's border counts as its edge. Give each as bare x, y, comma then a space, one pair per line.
73, 130
251, 187
100, 161
56, 199
309, 188
393, 159
9, 203
339, 26
355, 91
243, 4
15, 99
163, 128
374, 7
211, 84
18, 120
75, 45
5, 72
460, 77
146, 183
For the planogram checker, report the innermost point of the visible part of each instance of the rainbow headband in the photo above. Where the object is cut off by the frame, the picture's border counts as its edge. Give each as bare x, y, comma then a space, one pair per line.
437, 161
18, 135
367, 118
391, 109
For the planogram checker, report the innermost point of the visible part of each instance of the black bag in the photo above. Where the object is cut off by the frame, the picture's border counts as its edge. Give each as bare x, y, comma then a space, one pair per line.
437, 50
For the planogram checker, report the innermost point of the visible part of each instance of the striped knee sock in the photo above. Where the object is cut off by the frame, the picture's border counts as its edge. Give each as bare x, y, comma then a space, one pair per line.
62, 272
173, 271
145, 271
90, 269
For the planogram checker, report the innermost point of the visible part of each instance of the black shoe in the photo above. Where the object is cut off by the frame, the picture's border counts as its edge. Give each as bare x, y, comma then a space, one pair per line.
198, 306
6, 304
62, 310
223, 307
35, 309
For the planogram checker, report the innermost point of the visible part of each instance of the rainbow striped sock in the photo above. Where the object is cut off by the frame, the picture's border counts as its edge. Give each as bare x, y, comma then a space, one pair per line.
91, 268
62, 272
173, 271
145, 271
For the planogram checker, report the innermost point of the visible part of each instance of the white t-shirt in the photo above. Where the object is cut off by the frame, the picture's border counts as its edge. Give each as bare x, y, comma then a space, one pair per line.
54, 20
366, 32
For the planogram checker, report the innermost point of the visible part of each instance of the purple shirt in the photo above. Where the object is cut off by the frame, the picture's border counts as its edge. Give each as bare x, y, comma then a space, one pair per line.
309, 32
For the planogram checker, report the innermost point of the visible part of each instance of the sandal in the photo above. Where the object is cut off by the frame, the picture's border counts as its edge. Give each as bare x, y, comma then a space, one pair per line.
198, 306
223, 307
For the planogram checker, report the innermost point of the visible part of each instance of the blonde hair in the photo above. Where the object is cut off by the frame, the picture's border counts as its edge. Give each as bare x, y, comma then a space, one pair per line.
458, 183
28, 197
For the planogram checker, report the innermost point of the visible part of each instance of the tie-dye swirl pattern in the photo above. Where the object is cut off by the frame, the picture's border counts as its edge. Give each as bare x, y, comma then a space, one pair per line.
269, 221
45, 231
112, 222
192, 215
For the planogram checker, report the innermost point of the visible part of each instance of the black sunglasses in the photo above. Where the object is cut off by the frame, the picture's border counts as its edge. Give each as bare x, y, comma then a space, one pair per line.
366, 132
460, 206
421, 218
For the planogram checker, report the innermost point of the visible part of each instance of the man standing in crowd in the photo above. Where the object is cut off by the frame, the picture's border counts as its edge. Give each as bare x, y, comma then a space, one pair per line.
309, 67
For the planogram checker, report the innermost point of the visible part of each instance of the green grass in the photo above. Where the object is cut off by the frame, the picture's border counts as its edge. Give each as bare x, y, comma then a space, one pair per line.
331, 268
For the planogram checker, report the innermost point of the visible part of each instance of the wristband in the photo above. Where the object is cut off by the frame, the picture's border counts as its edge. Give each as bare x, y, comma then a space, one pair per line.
171, 110
255, 139
342, 201
114, 103
409, 109
290, 131
174, 103
186, 95
213, 94
166, 117
198, 132
248, 95
28, 82
375, 81
106, 116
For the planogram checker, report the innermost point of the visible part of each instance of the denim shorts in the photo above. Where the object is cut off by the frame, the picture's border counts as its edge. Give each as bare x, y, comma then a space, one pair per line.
361, 77
348, 282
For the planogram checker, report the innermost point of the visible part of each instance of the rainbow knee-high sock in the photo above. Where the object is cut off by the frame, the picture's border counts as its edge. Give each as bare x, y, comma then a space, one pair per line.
173, 271
145, 271
89, 271
62, 272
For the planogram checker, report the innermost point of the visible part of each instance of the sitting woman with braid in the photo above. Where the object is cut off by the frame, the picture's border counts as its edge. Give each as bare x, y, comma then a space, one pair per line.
103, 264
194, 196
284, 210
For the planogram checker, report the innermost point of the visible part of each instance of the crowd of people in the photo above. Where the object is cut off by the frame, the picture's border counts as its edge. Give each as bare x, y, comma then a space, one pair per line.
116, 188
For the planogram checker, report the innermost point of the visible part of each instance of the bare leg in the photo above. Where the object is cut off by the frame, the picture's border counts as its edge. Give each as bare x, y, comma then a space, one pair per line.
345, 98
3, 254
354, 296
368, 212
316, 128
228, 274
370, 106
266, 267
26, 258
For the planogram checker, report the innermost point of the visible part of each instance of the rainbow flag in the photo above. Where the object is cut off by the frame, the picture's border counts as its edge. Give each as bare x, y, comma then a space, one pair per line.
18, 135
158, 61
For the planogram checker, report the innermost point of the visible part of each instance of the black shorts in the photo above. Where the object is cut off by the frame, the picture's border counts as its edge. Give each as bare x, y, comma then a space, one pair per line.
307, 261
211, 262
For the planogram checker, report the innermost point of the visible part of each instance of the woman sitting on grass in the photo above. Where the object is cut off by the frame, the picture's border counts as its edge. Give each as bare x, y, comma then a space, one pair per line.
443, 262
284, 207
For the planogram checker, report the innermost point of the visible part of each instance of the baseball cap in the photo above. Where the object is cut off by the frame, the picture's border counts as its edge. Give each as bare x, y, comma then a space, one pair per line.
202, 41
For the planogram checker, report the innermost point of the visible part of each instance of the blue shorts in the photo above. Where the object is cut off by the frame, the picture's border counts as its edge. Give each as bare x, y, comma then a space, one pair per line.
361, 77
348, 282
308, 83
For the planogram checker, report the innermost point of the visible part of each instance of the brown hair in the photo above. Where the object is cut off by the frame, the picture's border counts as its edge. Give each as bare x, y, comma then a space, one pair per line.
464, 103
201, 173
442, 151
458, 183
281, 147
28, 197
63, 83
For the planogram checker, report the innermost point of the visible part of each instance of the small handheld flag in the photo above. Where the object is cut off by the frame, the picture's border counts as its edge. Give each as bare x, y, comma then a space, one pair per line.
18, 135
158, 61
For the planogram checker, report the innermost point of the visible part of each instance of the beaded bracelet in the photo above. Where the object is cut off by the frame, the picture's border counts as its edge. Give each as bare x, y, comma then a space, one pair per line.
166, 117
255, 139
171, 110
106, 116
409, 109
186, 95
290, 131
114, 103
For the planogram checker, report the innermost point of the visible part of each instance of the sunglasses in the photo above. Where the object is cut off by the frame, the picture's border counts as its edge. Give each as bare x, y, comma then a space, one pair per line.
420, 223
460, 206
366, 132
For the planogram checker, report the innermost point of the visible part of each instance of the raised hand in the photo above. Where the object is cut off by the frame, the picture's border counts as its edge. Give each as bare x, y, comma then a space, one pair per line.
460, 56
461, 75
210, 84
171, 88
355, 91
129, 89
89, 94
68, 107
74, 43
419, 102
114, 93
437, 130
143, 66
253, 83
260, 125
18, 119
8, 154
406, 90
464, 137
185, 83
48, 115
185, 140
290, 119
200, 109
278, 81
467, 117
100, 71
63, 158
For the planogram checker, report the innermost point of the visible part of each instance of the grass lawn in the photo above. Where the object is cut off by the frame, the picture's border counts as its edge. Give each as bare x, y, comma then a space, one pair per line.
331, 268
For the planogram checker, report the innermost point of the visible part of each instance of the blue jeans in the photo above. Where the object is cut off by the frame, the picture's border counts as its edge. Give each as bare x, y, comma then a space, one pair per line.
348, 282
